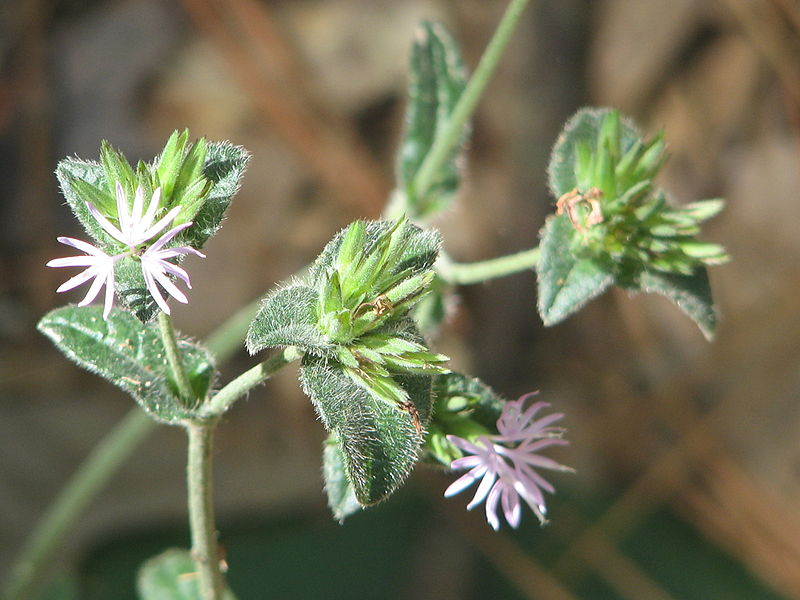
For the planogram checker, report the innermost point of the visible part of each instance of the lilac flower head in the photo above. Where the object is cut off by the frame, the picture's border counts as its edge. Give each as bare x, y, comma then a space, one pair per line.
505, 463
99, 266
137, 228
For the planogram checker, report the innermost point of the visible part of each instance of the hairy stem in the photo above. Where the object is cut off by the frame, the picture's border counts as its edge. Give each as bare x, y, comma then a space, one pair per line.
444, 144
201, 509
97, 469
174, 357
477, 272
240, 386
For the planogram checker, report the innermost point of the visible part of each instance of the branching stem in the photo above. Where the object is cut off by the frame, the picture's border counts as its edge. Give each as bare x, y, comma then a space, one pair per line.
478, 272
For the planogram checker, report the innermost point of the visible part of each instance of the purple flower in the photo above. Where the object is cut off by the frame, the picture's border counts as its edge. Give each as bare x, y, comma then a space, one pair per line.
137, 228
99, 266
505, 463
156, 267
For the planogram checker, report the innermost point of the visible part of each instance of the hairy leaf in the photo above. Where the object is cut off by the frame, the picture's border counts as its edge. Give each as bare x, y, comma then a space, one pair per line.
341, 496
130, 355
224, 166
82, 181
437, 80
379, 441
566, 282
691, 293
288, 317
171, 575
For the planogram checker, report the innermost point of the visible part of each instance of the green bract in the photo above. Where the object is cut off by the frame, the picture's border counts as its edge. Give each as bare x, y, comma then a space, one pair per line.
366, 367
200, 177
464, 406
614, 226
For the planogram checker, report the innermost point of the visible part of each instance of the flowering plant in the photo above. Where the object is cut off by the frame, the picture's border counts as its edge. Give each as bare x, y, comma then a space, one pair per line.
357, 318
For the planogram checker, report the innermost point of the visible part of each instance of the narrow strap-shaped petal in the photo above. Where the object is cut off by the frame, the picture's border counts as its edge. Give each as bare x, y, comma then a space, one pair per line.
109, 300
85, 260
509, 501
175, 270
82, 246
108, 226
163, 222
138, 208
463, 482
170, 287
123, 215
152, 208
78, 279
483, 489
154, 291
491, 506
177, 251
94, 289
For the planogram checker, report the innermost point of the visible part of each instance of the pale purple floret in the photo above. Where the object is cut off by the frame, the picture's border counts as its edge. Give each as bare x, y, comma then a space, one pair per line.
100, 267
156, 268
504, 463
136, 229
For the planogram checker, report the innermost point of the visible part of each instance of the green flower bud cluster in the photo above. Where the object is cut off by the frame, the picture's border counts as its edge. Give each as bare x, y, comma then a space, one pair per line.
368, 284
365, 295
620, 214
178, 171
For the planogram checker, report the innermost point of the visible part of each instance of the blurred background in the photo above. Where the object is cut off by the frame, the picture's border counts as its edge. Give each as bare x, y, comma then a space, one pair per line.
687, 452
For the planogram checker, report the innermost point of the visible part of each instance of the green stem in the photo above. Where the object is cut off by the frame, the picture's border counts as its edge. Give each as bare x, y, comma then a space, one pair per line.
444, 144
237, 388
91, 477
477, 272
174, 356
201, 509
96, 471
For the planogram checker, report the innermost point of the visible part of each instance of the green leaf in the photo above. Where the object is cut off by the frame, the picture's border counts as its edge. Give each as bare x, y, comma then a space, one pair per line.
566, 282
224, 166
379, 441
341, 496
130, 355
691, 293
288, 317
172, 575
585, 128
83, 181
437, 80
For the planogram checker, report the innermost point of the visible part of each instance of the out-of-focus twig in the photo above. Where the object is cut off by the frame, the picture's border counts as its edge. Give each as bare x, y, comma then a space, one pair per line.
697, 476
769, 35
791, 10
342, 164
